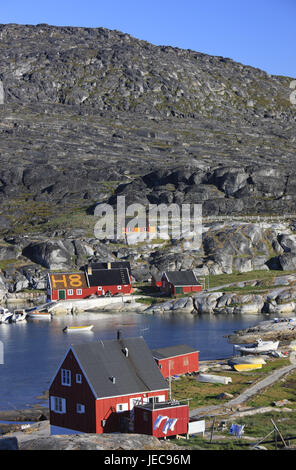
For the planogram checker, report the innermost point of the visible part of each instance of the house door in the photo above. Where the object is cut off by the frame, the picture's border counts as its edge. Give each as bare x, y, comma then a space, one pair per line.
62, 294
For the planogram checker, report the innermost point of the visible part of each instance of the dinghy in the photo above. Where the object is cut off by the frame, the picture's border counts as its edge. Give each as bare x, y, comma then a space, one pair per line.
246, 360
258, 347
39, 315
70, 329
214, 379
243, 367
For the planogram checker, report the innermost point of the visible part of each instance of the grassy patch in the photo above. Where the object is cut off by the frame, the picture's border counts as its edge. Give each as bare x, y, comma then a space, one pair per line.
206, 394
221, 279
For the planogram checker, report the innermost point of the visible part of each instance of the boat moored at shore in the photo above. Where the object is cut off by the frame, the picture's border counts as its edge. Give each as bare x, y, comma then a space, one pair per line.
258, 347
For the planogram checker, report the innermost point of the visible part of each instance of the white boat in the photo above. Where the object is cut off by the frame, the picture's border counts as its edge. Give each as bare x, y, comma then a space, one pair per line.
19, 315
39, 315
70, 329
214, 379
5, 315
246, 360
258, 347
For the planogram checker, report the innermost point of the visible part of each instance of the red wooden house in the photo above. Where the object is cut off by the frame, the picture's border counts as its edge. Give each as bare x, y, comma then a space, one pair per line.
179, 282
176, 360
80, 285
162, 419
97, 385
156, 280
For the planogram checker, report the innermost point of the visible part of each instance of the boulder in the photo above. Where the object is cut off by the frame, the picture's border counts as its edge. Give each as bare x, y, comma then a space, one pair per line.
242, 265
206, 303
52, 254
288, 243
287, 261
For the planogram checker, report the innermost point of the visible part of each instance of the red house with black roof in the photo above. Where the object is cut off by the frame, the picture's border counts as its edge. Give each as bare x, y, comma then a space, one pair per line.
176, 360
98, 384
80, 285
179, 282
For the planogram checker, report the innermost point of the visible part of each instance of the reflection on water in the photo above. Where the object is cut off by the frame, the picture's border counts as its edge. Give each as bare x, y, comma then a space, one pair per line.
34, 348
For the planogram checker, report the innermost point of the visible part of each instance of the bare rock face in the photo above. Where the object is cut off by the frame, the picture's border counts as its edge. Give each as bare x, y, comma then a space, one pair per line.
88, 114
1, 93
97, 442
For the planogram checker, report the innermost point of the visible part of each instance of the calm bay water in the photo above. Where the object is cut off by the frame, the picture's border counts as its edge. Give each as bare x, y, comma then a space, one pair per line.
34, 348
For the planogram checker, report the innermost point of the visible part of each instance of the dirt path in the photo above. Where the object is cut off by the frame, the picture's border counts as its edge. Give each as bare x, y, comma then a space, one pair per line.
244, 396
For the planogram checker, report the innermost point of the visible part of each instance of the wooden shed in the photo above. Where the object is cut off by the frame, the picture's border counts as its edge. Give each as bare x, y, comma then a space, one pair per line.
176, 360
156, 280
162, 419
179, 282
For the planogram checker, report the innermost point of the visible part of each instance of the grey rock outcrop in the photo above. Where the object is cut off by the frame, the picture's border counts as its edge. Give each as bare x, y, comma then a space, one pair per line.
55, 255
78, 99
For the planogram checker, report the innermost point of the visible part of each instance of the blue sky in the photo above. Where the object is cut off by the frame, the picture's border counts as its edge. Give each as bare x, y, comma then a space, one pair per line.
260, 33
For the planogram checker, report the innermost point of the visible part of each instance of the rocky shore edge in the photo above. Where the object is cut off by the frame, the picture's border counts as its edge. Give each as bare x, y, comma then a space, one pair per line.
278, 299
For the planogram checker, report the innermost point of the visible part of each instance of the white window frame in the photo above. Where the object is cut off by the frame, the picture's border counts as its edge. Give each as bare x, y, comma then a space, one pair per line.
66, 377
78, 291
70, 291
120, 407
79, 378
80, 409
118, 287
58, 405
135, 401
156, 399
99, 288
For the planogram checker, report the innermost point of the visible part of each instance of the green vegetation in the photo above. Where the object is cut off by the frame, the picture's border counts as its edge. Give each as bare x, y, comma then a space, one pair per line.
222, 279
206, 394
258, 425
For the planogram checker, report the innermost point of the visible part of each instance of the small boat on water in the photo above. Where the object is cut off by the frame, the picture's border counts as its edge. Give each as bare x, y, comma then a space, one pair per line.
39, 315
258, 347
19, 315
71, 329
5, 315
245, 366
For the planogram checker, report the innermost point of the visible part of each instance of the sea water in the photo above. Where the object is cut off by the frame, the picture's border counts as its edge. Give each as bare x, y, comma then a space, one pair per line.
33, 349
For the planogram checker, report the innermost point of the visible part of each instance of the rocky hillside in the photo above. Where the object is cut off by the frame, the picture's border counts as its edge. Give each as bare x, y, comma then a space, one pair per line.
88, 114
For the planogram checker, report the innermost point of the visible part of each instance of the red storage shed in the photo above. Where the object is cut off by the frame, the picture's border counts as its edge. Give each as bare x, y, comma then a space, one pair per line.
179, 282
162, 419
176, 360
156, 280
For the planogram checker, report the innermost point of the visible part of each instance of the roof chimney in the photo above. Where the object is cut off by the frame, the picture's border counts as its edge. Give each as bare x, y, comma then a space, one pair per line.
108, 265
89, 270
125, 352
113, 379
119, 335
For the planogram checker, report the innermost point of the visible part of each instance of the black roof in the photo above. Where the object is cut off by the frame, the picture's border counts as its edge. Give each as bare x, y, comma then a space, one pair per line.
135, 373
182, 278
109, 277
172, 351
113, 265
